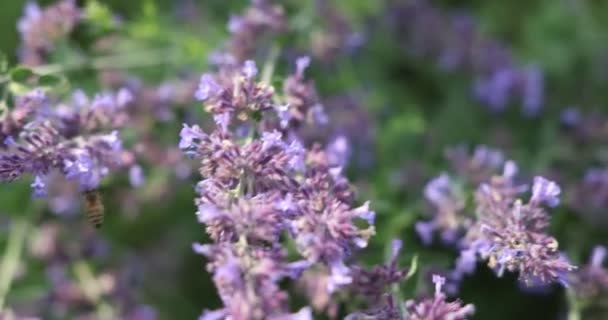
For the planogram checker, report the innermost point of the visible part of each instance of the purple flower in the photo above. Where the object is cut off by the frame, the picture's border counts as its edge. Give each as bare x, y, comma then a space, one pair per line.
207, 212
425, 231
592, 279
319, 115
113, 140
222, 120
81, 164
124, 97
271, 139
250, 70
207, 88
438, 190
301, 64
39, 187
437, 307
9, 141
235, 24
32, 13
339, 151
598, 256
533, 89
296, 152
213, 315
304, 314
103, 101
571, 116
340, 276
284, 114
80, 100
286, 204
136, 176
189, 136
364, 213
547, 191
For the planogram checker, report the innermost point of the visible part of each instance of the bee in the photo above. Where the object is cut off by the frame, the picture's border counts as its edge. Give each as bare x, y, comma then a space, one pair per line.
93, 206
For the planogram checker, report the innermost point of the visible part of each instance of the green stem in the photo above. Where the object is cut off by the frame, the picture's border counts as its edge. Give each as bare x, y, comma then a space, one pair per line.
12, 255
270, 64
152, 57
574, 307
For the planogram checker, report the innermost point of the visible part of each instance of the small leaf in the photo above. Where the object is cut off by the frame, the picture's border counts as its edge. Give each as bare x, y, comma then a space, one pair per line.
21, 74
413, 267
49, 80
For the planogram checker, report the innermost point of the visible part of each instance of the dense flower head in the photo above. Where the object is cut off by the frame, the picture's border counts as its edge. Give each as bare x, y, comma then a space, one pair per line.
512, 234
235, 92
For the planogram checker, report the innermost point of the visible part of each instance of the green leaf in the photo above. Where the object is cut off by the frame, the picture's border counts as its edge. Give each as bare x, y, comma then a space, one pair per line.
413, 267
99, 14
49, 80
21, 74
19, 89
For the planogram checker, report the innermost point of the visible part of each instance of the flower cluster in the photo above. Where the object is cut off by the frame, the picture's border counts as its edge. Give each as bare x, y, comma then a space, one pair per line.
77, 140
41, 28
447, 195
584, 127
77, 289
337, 36
438, 307
435, 308
448, 217
260, 19
592, 279
456, 43
512, 234
590, 196
505, 231
257, 186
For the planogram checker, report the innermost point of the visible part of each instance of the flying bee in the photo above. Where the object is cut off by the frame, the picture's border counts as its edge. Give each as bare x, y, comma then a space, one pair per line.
93, 207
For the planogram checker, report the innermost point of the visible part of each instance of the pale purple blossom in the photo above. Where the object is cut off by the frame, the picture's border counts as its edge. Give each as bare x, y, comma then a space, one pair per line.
207, 88
547, 191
